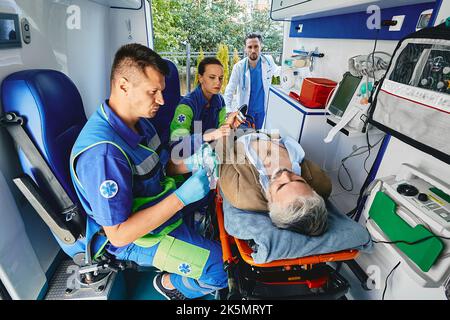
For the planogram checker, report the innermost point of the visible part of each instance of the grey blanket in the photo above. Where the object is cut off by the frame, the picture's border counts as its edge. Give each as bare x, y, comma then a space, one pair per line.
272, 243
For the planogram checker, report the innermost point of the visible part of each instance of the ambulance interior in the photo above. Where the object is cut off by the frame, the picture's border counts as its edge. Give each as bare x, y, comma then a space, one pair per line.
382, 177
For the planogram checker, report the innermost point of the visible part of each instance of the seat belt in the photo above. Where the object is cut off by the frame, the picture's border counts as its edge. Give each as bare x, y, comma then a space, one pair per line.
14, 125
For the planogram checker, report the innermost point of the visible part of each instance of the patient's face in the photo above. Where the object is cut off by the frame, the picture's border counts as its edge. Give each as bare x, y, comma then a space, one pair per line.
285, 186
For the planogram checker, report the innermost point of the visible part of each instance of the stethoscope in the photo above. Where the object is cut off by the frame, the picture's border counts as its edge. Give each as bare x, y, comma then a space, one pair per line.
247, 67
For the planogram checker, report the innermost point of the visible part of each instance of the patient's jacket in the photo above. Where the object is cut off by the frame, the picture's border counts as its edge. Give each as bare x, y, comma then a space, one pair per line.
239, 180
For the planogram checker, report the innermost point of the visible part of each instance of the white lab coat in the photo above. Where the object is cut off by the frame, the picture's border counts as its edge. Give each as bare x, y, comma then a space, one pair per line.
240, 80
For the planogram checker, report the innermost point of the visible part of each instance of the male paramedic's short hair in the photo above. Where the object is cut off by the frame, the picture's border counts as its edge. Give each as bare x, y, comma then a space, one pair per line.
305, 214
209, 60
253, 35
136, 56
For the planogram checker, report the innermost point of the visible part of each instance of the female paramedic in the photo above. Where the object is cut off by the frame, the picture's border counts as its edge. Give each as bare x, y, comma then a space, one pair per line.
201, 115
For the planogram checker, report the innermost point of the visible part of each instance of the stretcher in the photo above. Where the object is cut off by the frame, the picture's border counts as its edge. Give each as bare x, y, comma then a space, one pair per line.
310, 277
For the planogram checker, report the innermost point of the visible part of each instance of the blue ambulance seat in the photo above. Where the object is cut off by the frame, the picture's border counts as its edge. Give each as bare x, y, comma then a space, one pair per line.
53, 112
54, 115
171, 99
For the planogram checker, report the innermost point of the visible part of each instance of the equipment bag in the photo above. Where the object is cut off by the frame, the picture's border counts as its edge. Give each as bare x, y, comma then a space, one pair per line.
412, 102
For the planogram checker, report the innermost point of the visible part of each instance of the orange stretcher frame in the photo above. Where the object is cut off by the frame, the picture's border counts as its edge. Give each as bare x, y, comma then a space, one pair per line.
245, 251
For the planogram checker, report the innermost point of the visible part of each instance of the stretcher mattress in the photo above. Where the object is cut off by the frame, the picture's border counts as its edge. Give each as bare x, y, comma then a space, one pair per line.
272, 243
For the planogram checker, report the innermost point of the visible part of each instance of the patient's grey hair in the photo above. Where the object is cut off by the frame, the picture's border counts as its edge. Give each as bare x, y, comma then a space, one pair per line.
305, 214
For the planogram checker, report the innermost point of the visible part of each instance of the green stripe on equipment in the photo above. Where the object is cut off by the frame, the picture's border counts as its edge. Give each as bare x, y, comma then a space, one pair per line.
441, 194
424, 254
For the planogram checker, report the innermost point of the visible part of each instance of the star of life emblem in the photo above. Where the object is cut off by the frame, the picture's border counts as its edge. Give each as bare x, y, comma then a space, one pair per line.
184, 268
181, 118
108, 189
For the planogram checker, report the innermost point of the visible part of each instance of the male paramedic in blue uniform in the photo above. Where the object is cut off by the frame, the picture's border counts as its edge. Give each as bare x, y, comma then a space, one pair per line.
118, 168
252, 77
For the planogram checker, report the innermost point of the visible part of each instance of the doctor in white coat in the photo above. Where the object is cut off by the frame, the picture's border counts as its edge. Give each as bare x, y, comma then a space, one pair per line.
251, 77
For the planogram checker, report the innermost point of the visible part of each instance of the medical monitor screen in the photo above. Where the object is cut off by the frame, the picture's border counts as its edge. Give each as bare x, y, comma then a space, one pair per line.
344, 94
9, 31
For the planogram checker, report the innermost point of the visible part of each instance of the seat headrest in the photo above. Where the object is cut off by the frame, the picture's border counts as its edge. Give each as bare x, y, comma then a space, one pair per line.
171, 95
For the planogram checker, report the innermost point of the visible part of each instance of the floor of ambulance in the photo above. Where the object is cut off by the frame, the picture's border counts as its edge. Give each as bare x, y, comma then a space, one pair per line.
140, 286
124, 285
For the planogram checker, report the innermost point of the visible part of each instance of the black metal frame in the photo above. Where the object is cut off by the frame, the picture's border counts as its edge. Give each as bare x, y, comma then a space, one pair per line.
61, 215
4, 294
275, 283
16, 43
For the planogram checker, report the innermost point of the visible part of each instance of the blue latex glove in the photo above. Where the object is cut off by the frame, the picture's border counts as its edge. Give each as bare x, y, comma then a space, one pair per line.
194, 188
189, 163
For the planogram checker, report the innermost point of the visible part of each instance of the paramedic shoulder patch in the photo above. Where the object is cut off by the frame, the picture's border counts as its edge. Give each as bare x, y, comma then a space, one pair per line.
108, 189
181, 118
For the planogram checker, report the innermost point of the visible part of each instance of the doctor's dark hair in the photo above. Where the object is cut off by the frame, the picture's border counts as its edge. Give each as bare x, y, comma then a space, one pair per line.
209, 60
136, 56
252, 35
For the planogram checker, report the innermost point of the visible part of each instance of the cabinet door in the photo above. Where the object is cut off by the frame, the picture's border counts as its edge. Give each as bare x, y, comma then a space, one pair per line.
283, 116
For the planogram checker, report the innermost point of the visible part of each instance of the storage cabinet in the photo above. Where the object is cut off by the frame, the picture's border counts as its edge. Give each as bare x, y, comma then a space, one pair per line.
286, 9
307, 126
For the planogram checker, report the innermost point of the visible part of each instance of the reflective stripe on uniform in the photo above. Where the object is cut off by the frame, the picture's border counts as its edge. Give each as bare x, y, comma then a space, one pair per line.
187, 284
207, 286
147, 165
154, 143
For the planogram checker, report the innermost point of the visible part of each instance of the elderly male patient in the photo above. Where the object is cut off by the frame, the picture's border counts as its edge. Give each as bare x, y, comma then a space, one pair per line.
266, 173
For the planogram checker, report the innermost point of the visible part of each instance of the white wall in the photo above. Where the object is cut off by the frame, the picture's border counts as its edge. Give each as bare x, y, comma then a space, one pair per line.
121, 22
149, 14
80, 53
119, 31
20, 268
337, 52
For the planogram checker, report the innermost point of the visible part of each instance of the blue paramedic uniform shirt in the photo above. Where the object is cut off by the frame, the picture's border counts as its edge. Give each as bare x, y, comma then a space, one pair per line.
256, 102
107, 178
209, 118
